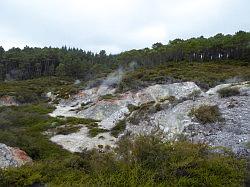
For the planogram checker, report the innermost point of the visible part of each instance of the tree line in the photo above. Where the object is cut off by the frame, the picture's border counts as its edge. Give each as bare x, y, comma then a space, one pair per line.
217, 48
27, 63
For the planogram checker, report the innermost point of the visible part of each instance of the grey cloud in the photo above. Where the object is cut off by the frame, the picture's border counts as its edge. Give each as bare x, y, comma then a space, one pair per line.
116, 25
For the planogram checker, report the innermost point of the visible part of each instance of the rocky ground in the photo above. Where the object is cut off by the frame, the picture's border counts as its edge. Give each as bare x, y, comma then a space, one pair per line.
165, 107
12, 157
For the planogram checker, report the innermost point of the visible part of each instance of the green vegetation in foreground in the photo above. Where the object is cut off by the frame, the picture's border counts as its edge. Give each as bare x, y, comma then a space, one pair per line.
144, 161
204, 74
206, 114
228, 92
22, 126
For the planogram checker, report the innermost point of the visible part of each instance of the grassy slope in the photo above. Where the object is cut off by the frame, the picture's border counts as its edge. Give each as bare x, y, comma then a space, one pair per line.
33, 90
204, 74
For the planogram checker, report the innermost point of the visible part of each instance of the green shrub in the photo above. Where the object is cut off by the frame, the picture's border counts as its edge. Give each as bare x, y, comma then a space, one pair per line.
142, 161
33, 90
107, 97
143, 111
206, 114
22, 126
84, 121
93, 132
86, 105
132, 107
139, 161
68, 129
228, 92
118, 128
23, 116
70, 125
171, 99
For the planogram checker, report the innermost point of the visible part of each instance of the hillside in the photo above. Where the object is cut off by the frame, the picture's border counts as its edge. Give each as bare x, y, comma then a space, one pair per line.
21, 64
171, 115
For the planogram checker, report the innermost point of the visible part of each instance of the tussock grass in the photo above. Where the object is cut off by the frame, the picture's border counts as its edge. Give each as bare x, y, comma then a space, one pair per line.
228, 92
68, 129
108, 97
206, 114
93, 132
118, 128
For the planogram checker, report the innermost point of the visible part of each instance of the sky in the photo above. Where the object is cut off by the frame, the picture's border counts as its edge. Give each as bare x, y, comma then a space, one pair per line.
116, 25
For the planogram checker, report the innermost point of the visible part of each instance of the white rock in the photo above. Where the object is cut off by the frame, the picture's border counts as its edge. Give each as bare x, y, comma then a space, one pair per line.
241, 85
172, 120
79, 141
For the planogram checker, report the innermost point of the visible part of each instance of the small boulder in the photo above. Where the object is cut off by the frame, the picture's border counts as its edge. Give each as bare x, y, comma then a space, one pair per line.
8, 101
12, 157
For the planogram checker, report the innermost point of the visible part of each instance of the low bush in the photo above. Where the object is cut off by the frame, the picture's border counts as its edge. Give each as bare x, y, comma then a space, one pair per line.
142, 161
68, 129
118, 128
228, 92
86, 105
22, 126
83, 121
143, 111
132, 107
93, 132
107, 97
33, 90
206, 114
171, 99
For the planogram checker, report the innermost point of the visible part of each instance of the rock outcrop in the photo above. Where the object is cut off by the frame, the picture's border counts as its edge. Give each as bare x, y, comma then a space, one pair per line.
170, 116
80, 141
90, 104
8, 101
12, 157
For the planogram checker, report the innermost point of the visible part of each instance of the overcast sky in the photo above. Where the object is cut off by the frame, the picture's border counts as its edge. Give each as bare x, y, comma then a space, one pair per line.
116, 25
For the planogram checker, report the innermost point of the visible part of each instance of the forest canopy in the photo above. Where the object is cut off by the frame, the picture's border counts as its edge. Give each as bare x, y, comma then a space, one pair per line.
28, 63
